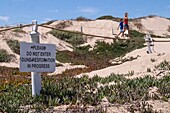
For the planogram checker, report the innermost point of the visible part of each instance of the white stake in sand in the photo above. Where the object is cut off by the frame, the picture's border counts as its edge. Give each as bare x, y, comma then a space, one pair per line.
35, 76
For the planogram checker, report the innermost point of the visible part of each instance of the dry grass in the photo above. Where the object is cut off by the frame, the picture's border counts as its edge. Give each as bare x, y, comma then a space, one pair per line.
19, 30
138, 25
63, 24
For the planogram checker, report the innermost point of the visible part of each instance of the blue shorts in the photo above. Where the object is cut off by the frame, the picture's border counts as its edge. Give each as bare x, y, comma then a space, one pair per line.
121, 30
126, 26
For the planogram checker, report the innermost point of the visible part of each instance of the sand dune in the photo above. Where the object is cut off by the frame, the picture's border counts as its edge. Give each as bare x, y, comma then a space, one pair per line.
156, 25
140, 65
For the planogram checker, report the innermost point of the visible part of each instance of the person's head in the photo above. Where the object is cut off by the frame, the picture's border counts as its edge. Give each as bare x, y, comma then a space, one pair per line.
126, 14
121, 20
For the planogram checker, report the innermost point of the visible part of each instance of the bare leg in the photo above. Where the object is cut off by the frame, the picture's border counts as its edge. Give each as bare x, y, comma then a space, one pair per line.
122, 34
118, 34
128, 33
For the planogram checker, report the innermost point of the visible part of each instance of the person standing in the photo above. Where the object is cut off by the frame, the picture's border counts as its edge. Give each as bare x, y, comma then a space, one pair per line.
126, 25
121, 28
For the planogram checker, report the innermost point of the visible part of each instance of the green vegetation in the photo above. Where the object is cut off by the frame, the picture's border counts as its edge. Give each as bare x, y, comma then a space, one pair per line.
144, 17
15, 89
138, 25
153, 60
63, 56
49, 22
13, 76
5, 57
82, 19
73, 38
165, 65
81, 91
134, 33
14, 45
102, 53
131, 73
108, 17
156, 36
148, 69
63, 24
143, 107
5, 71
19, 30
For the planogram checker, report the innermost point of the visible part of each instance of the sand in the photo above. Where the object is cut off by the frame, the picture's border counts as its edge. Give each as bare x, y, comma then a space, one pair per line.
140, 65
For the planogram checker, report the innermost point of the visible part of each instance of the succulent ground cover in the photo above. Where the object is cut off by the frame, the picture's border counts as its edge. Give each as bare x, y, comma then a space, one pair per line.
15, 92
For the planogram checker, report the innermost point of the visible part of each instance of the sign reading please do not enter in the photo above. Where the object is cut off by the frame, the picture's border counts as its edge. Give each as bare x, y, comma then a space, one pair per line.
35, 57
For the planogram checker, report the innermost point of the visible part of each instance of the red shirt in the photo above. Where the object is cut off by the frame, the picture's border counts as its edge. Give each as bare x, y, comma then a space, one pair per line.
125, 20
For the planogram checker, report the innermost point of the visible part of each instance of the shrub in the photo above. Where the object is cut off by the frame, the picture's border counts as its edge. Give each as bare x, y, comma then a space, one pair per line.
148, 69
152, 16
156, 36
165, 65
134, 33
64, 56
11, 71
153, 60
73, 38
143, 107
144, 17
14, 45
14, 97
84, 50
119, 48
5, 57
102, 53
82, 19
50, 22
108, 17
63, 24
138, 25
131, 73
19, 30
76, 40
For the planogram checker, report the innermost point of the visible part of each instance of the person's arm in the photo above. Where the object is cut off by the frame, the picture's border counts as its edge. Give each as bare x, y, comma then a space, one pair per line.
125, 17
118, 27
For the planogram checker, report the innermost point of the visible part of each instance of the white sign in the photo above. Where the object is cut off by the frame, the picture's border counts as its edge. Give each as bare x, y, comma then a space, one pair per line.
35, 57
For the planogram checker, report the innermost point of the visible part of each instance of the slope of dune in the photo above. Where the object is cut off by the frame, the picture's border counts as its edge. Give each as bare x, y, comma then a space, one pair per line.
156, 25
139, 66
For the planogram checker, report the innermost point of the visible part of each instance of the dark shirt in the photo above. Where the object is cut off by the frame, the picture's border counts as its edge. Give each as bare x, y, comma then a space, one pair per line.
121, 25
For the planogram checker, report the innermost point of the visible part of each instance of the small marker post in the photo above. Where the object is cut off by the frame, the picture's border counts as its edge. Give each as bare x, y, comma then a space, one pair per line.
148, 40
81, 28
